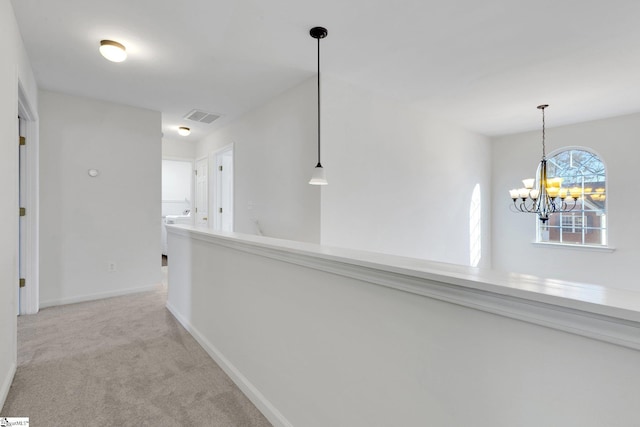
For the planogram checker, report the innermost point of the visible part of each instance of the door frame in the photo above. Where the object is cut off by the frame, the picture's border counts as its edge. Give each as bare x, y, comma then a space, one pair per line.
195, 189
214, 197
29, 299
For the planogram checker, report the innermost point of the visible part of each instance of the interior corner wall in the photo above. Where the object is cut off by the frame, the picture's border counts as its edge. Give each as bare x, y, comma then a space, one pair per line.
274, 156
400, 181
517, 156
14, 69
89, 223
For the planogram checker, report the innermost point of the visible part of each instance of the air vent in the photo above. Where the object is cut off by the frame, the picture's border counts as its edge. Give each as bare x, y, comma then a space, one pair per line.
201, 117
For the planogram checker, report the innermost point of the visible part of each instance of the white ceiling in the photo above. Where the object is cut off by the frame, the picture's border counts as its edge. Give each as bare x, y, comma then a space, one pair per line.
483, 65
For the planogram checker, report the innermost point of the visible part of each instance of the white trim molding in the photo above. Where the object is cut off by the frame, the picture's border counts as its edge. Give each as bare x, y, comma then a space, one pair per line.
576, 247
274, 416
6, 384
96, 296
593, 311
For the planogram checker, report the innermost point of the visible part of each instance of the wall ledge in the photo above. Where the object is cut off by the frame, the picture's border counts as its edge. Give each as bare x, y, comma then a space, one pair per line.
593, 311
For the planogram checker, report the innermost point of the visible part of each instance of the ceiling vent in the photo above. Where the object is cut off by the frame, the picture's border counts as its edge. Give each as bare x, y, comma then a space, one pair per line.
201, 117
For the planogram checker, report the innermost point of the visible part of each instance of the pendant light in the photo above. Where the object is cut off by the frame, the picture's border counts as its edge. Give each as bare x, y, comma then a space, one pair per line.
318, 177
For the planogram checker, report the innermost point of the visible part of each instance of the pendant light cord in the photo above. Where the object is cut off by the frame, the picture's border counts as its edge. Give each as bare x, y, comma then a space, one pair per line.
319, 164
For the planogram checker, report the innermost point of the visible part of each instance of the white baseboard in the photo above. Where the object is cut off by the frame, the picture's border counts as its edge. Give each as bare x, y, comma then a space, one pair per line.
100, 295
272, 414
6, 384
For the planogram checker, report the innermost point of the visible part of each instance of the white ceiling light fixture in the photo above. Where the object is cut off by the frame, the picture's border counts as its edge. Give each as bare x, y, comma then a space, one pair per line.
318, 177
184, 131
113, 51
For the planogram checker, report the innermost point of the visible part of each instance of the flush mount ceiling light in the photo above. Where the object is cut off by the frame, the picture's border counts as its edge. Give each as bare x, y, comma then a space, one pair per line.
184, 131
318, 177
113, 51
548, 196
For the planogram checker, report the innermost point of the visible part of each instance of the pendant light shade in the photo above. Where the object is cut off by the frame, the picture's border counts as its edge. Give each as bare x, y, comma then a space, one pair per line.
318, 177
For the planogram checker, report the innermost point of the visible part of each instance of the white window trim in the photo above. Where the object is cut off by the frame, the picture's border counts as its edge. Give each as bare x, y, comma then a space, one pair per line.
578, 246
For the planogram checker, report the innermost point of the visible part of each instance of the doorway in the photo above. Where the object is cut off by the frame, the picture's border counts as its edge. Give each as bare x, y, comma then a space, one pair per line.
202, 196
222, 186
177, 195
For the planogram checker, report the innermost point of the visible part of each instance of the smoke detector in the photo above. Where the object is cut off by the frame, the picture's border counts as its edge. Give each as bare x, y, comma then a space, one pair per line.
201, 116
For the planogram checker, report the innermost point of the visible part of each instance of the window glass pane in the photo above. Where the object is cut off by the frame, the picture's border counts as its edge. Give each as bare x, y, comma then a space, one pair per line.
583, 174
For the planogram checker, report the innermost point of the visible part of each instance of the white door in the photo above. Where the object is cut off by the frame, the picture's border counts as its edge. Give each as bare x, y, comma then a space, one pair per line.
22, 168
223, 189
202, 196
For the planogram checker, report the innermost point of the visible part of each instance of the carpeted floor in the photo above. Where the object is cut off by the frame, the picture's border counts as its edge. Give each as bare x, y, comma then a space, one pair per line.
121, 361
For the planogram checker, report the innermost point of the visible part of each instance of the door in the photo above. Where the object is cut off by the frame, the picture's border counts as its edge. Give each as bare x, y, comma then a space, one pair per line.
202, 195
22, 256
223, 189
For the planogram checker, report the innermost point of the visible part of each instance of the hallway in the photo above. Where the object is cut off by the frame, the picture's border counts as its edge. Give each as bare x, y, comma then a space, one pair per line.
120, 361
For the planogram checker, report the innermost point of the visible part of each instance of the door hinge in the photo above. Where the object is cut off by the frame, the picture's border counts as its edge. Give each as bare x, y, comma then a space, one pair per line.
23, 283
195, 171
23, 140
220, 168
196, 210
220, 210
23, 211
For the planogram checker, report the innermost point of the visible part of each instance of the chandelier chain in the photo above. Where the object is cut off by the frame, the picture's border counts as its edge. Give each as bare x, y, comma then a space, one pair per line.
544, 148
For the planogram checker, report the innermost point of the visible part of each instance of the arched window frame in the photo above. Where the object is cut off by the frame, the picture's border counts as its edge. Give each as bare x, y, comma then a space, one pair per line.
544, 238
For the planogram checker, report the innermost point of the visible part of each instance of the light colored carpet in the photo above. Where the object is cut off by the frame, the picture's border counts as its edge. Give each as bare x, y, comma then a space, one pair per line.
121, 361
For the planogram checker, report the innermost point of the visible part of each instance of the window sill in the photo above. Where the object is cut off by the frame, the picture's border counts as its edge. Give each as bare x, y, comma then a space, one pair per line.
575, 246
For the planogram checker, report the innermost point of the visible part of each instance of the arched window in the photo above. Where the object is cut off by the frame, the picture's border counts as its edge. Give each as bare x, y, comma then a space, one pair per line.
582, 173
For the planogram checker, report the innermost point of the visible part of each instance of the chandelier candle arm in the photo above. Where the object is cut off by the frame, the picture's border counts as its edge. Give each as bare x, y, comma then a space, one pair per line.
543, 196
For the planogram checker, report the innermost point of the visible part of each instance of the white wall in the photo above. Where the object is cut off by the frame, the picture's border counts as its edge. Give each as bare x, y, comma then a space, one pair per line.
322, 346
14, 67
175, 149
274, 156
87, 223
183, 149
400, 181
177, 186
517, 156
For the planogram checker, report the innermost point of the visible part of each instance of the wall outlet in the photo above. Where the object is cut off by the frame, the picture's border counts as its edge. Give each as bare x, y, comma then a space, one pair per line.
111, 267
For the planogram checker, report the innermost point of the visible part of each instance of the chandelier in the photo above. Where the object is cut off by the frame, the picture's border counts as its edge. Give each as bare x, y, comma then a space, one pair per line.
544, 196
